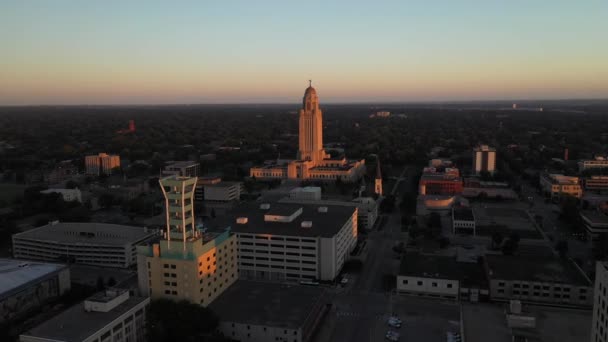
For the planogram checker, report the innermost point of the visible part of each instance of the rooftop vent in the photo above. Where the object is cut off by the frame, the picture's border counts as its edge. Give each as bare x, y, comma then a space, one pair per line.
306, 224
242, 220
323, 209
265, 206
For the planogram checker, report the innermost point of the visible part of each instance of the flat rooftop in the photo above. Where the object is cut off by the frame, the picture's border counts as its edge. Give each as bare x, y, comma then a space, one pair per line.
552, 324
324, 224
270, 304
594, 216
181, 163
87, 233
535, 269
442, 267
76, 324
15, 275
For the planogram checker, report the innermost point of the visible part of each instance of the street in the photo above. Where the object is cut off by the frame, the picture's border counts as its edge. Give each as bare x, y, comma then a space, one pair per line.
361, 309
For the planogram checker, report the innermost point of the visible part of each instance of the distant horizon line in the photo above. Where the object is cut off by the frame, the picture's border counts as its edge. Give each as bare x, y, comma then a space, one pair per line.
434, 102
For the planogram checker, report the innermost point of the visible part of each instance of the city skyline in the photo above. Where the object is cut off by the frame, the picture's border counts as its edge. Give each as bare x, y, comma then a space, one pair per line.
115, 53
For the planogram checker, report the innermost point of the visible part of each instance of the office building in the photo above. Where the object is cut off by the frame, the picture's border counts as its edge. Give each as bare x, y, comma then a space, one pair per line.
463, 221
99, 244
484, 159
223, 191
441, 277
474, 187
557, 186
292, 241
68, 195
312, 161
545, 280
596, 184
598, 162
258, 312
26, 286
111, 315
439, 183
102, 163
599, 324
595, 222
307, 193
186, 263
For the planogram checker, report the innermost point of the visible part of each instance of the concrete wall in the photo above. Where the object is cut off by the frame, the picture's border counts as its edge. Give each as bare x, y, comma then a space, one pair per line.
259, 333
432, 287
544, 292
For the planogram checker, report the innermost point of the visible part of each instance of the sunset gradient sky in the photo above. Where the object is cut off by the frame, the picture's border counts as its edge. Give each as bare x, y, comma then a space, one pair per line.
136, 52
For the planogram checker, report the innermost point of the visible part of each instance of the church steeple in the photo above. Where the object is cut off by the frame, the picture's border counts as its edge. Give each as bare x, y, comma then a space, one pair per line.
378, 181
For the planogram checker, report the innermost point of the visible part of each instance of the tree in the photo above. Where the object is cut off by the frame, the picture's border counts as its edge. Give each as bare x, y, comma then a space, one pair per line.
180, 321
562, 248
508, 247
434, 221
71, 184
106, 200
497, 240
100, 284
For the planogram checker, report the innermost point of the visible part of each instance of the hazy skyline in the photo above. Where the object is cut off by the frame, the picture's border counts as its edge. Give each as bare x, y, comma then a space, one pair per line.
66, 52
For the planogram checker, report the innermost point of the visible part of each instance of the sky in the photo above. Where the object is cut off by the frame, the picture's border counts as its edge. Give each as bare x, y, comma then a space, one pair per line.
171, 52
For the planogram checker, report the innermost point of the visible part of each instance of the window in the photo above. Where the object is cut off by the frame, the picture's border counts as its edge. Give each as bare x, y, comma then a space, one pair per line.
449, 286
173, 267
501, 284
404, 281
419, 283
434, 284
516, 286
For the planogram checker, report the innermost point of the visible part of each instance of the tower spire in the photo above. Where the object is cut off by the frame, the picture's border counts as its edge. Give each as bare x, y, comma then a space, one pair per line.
310, 83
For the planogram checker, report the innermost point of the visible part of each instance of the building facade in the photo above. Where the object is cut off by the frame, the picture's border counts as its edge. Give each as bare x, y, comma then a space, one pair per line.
223, 191
102, 163
599, 325
596, 183
538, 280
599, 162
290, 241
98, 244
312, 161
109, 316
463, 220
441, 277
186, 263
26, 286
557, 186
484, 159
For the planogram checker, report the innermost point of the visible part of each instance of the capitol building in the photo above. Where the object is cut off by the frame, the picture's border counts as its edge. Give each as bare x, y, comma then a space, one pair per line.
312, 161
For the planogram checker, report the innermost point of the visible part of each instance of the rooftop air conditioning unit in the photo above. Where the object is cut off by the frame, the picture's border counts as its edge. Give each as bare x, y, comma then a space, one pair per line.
323, 209
306, 224
242, 220
265, 206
